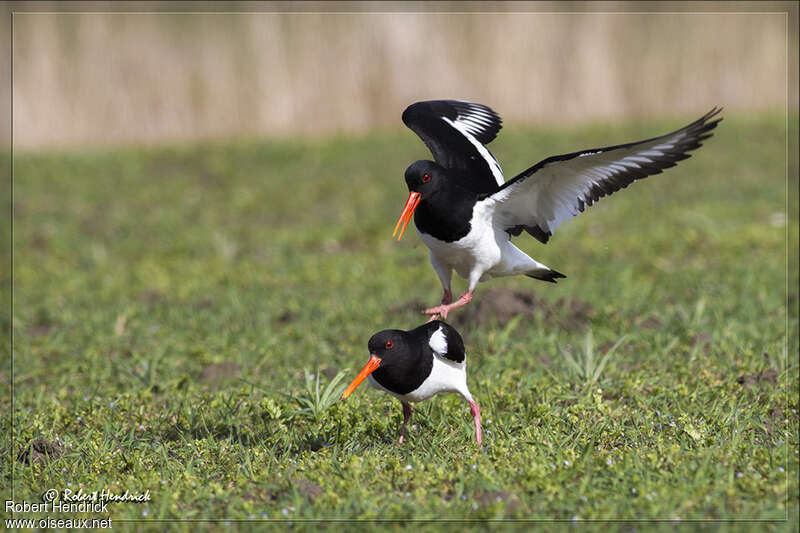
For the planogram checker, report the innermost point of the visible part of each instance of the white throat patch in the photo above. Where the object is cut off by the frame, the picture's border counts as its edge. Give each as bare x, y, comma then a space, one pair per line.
438, 342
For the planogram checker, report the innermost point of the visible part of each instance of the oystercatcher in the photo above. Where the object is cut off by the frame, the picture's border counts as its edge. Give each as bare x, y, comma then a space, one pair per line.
414, 365
466, 214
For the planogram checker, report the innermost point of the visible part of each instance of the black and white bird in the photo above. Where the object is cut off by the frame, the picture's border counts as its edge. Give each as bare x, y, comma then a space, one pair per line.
414, 365
466, 213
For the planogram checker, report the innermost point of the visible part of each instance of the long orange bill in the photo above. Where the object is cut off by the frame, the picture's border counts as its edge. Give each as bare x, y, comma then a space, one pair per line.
368, 369
408, 212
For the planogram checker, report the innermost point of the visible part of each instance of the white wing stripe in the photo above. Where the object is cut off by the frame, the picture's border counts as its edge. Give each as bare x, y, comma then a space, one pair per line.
473, 125
493, 166
480, 119
639, 159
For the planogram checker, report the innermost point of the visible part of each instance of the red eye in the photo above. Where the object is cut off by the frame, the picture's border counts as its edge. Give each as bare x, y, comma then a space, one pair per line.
389, 345
426, 178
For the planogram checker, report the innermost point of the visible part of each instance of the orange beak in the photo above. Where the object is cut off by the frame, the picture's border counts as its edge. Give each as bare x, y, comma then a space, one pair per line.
408, 212
368, 369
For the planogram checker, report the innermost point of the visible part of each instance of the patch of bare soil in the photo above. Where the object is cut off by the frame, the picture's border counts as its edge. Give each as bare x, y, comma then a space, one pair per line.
287, 317
650, 322
307, 488
499, 305
40, 451
769, 376
220, 372
151, 296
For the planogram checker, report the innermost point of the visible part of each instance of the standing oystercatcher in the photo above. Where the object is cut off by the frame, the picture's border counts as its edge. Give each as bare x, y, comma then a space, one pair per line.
414, 365
466, 214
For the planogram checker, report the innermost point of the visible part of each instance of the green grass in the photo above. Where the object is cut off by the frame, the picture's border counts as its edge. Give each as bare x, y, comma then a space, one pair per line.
170, 305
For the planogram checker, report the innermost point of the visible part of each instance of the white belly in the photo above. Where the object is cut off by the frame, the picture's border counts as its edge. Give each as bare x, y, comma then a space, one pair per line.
481, 248
446, 376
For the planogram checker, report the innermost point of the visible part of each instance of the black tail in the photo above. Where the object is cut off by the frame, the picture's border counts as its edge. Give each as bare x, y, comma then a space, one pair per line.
548, 275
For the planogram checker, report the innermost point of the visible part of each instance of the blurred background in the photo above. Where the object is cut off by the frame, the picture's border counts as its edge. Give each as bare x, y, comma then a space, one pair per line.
85, 78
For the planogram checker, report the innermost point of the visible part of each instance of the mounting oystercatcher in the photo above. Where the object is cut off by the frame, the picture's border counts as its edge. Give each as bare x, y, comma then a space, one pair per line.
414, 365
466, 213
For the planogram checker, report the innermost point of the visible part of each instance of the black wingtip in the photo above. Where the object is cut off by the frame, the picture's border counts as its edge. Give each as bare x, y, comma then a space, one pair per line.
549, 276
706, 122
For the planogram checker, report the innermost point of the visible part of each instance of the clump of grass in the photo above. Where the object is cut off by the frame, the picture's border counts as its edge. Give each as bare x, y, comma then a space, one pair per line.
314, 402
584, 363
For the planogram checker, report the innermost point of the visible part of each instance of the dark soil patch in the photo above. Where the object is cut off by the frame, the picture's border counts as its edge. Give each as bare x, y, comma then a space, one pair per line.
268, 494
95, 225
700, 338
152, 297
40, 330
42, 323
606, 346
205, 303
220, 372
650, 322
287, 317
499, 305
769, 376
307, 488
40, 451
40, 242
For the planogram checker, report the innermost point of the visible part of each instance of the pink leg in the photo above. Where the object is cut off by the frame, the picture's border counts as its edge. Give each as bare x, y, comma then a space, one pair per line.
446, 308
476, 416
406, 417
446, 299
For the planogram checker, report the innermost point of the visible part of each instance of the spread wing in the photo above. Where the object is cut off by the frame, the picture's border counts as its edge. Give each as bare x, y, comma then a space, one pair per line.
559, 188
456, 133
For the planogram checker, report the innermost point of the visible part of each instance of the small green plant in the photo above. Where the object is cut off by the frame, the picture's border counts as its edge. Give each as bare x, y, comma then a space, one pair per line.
584, 364
312, 401
147, 372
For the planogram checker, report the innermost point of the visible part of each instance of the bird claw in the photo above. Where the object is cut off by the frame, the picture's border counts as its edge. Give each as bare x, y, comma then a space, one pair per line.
439, 310
443, 309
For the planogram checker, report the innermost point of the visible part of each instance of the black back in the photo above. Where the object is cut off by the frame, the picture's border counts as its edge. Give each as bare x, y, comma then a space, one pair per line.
409, 359
451, 148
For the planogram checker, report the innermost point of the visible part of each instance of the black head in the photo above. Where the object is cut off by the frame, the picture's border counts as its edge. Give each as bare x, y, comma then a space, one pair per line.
425, 177
388, 345
398, 360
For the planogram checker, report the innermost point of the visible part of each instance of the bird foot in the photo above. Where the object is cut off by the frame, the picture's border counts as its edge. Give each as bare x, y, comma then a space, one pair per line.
442, 310
436, 312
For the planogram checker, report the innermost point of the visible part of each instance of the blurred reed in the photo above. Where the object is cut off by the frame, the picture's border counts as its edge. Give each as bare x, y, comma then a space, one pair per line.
100, 78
